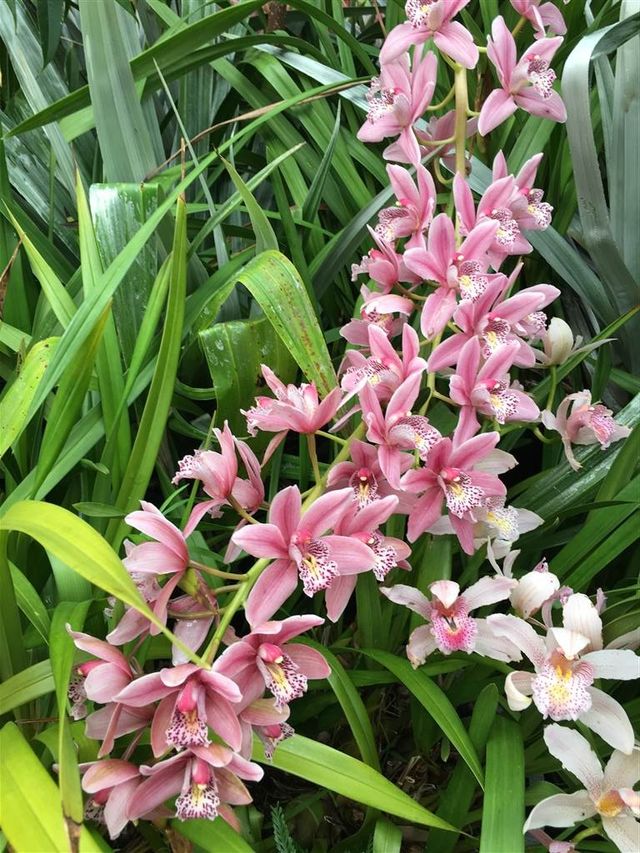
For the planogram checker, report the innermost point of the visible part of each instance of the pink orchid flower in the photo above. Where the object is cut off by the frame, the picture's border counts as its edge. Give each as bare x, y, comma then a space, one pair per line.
527, 207
266, 659
527, 84
191, 700
608, 794
497, 321
431, 19
299, 547
110, 785
377, 310
384, 370
397, 429
413, 211
486, 388
561, 687
115, 720
295, 408
384, 265
364, 476
453, 475
455, 270
262, 718
397, 99
587, 424
206, 779
218, 473
541, 15
534, 589
496, 204
390, 552
449, 626
100, 679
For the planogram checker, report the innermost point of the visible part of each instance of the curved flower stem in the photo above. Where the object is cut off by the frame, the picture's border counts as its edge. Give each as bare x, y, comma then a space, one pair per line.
553, 375
330, 435
313, 456
218, 573
443, 103
462, 105
518, 26
259, 566
241, 511
586, 833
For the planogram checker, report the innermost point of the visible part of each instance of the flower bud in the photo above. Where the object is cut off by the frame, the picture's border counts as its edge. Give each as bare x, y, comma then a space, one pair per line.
533, 590
558, 341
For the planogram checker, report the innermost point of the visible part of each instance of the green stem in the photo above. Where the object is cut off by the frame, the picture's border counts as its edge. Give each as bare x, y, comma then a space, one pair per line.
331, 436
242, 511
217, 573
518, 26
444, 102
313, 456
553, 375
586, 833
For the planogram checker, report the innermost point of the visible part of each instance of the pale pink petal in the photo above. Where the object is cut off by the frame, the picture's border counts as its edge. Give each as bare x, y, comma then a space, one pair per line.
438, 309
409, 597
104, 682
521, 634
107, 773
220, 684
144, 690
153, 558
574, 753
457, 42
323, 513
517, 688
561, 810
155, 790
552, 107
261, 540
608, 718
223, 720
397, 41
622, 771
115, 810
285, 511
160, 724
293, 626
152, 523
271, 590
488, 590
495, 110
622, 664
310, 662
502, 49
624, 831
421, 644
338, 594
99, 649
426, 512
351, 555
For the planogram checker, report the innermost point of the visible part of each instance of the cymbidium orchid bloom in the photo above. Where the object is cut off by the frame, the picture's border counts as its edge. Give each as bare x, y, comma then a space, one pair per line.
449, 626
266, 659
431, 19
579, 421
455, 270
487, 389
191, 700
533, 589
397, 430
384, 265
378, 310
527, 83
413, 211
541, 15
110, 784
269, 723
607, 793
526, 205
207, 780
300, 549
293, 407
495, 204
364, 476
384, 369
496, 321
453, 476
397, 99
561, 686
363, 524
99, 679
580, 614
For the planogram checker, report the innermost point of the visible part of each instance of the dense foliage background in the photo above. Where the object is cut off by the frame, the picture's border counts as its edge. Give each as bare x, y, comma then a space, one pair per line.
110, 109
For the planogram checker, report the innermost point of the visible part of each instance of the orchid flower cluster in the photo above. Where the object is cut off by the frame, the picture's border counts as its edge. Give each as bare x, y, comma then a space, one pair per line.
441, 309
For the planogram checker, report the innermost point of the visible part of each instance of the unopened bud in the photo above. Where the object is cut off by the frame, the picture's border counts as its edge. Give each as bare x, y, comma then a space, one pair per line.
533, 590
558, 341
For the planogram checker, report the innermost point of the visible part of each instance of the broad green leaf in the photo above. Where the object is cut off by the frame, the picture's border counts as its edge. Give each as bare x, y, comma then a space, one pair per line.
156, 409
435, 703
352, 705
50, 13
15, 402
387, 837
347, 776
30, 603
81, 548
30, 807
503, 806
32, 683
212, 836
234, 353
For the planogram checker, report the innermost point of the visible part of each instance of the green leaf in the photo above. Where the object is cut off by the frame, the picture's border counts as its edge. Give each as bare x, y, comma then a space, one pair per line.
503, 806
387, 837
435, 703
81, 548
331, 769
30, 807
32, 683
30, 603
68, 401
212, 836
15, 402
265, 235
156, 409
50, 14
352, 705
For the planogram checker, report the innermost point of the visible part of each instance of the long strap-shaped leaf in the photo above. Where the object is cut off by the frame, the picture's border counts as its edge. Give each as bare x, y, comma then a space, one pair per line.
347, 776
